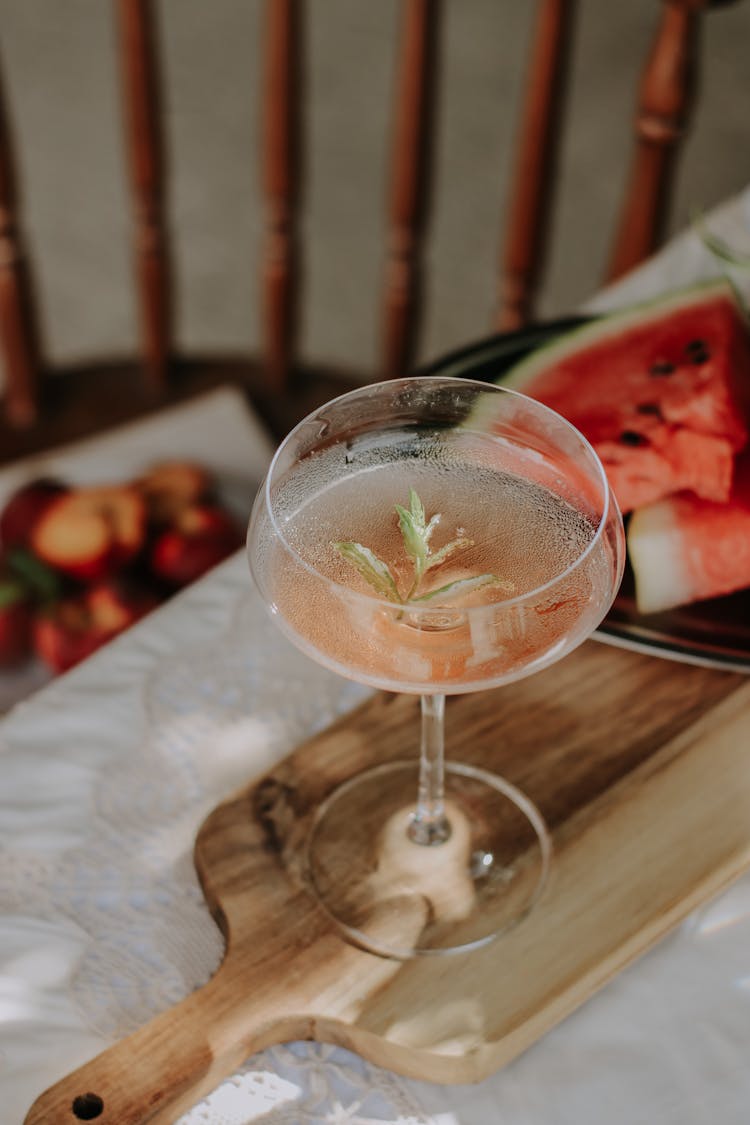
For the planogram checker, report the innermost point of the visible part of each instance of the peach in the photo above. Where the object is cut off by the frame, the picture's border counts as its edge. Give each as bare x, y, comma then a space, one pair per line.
24, 508
68, 631
88, 533
201, 537
171, 486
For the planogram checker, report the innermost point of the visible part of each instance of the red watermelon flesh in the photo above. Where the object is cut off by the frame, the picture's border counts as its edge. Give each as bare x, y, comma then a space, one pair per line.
684, 549
661, 391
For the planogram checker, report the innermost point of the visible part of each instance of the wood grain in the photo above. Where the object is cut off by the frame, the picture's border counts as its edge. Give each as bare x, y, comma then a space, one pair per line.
18, 329
414, 115
665, 103
141, 82
640, 767
534, 179
667, 94
282, 126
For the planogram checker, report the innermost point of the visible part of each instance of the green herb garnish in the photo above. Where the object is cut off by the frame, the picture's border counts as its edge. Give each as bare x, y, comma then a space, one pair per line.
416, 532
39, 581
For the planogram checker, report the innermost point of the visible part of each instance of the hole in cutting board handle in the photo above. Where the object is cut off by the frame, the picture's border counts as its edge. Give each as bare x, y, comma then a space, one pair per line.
88, 1106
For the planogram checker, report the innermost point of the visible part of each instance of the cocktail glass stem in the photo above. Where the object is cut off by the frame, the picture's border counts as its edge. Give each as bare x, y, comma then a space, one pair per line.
429, 825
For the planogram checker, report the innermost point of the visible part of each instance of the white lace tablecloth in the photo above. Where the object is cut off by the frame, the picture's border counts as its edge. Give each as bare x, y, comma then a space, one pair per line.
105, 777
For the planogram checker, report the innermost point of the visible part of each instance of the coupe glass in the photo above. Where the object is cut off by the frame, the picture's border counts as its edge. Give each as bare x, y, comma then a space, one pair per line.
433, 536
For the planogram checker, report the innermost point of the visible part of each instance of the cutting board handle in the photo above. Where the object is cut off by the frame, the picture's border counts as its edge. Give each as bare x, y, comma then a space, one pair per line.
165, 1067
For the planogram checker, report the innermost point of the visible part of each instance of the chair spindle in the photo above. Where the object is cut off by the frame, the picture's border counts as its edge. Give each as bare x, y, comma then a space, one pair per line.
147, 170
410, 183
534, 175
281, 185
665, 103
17, 318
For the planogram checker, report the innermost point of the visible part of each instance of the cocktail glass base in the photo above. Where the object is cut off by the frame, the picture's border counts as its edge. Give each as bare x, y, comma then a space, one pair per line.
403, 899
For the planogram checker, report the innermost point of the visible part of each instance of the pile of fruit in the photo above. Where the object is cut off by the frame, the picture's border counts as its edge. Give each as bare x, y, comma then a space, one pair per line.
80, 564
662, 392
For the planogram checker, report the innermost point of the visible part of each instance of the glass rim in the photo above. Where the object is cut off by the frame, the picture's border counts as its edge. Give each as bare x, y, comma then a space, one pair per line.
422, 609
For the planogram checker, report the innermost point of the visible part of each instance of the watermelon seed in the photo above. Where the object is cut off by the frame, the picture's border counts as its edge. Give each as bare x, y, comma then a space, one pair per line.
649, 408
662, 367
697, 351
631, 437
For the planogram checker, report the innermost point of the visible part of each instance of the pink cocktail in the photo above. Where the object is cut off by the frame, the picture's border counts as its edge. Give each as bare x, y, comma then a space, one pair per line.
434, 536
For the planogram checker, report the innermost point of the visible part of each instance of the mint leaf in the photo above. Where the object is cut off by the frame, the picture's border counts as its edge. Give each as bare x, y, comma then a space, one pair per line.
466, 586
372, 569
417, 508
449, 549
416, 533
413, 536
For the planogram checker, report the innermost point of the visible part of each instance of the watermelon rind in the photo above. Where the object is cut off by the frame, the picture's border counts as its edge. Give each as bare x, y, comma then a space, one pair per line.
656, 556
520, 376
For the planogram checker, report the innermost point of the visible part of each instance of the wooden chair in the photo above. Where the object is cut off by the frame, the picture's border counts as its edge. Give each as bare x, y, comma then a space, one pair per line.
43, 408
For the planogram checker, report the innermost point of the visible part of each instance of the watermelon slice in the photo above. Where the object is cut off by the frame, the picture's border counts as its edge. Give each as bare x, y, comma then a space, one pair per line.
662, 391
684, 549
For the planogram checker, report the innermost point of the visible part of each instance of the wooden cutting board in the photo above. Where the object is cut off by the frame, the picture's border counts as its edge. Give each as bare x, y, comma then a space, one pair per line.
640, 767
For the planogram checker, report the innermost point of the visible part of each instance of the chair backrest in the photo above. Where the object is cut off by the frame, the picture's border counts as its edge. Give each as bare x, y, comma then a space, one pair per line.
665, 100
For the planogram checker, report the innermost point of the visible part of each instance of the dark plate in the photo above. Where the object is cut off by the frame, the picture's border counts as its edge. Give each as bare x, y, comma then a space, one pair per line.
715, 632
